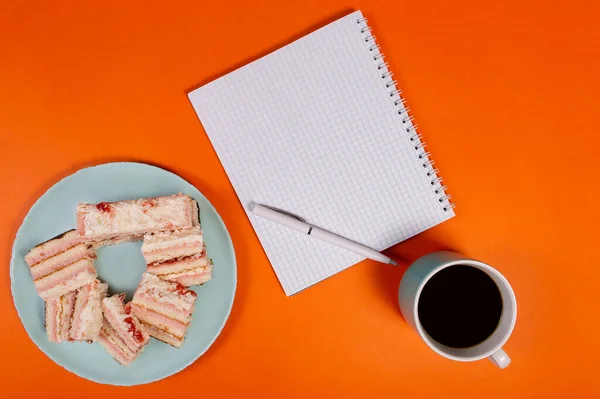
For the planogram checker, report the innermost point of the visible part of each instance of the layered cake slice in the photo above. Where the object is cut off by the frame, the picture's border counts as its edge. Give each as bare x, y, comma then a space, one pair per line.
122, 335
59, 313
164, 308
178, 256
113, 222
61, 265
87, 313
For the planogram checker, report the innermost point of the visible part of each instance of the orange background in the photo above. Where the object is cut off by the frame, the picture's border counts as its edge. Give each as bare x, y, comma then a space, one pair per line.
506, 94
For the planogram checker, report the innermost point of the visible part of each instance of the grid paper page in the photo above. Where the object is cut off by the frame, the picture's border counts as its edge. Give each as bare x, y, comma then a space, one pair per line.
312, 129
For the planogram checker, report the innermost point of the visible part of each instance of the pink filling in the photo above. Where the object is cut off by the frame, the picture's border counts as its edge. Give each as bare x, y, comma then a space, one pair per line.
58, 317
173, 251
60, 260
156, 304
197, 246
179, 265
52, 309
51, 248
66, 274
66, 280
188, 279
80, 224
82, 299
159, 321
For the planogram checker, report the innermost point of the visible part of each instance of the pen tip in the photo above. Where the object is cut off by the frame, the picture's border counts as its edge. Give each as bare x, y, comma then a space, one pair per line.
393, 262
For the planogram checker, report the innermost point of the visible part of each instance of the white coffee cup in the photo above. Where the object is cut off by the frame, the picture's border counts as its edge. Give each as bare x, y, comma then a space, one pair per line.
411, 286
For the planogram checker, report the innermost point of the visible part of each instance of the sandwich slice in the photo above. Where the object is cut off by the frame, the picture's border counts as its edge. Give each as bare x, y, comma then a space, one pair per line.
178, 256
122, 335
58, 315
114, 222
87, 313
61, 265
164, 308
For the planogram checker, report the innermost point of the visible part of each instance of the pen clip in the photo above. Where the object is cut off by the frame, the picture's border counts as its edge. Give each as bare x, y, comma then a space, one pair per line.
285, 213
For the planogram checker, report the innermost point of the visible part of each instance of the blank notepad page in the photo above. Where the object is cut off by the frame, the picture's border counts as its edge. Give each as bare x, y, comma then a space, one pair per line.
316, 129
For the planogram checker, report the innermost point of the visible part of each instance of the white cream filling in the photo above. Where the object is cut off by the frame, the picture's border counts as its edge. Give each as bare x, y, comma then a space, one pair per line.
91, 315
136, 216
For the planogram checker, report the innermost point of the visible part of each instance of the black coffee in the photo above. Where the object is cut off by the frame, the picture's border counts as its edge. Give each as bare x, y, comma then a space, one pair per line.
460, 306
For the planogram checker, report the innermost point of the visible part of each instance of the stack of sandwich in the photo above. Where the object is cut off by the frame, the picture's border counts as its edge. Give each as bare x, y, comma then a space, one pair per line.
76, 303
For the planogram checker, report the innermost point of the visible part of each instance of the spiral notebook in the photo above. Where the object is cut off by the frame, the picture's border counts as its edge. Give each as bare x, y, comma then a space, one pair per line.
318, 128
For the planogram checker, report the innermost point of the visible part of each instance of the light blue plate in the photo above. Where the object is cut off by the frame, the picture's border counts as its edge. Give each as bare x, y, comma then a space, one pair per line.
121, 266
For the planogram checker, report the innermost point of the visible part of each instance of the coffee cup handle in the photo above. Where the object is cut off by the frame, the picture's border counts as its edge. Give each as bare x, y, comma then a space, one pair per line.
500, 358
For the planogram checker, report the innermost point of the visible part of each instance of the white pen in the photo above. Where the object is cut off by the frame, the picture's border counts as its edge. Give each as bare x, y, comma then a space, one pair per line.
295, 223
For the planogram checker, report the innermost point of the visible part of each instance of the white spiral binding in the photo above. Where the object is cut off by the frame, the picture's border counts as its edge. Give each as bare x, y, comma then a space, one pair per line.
403, 111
